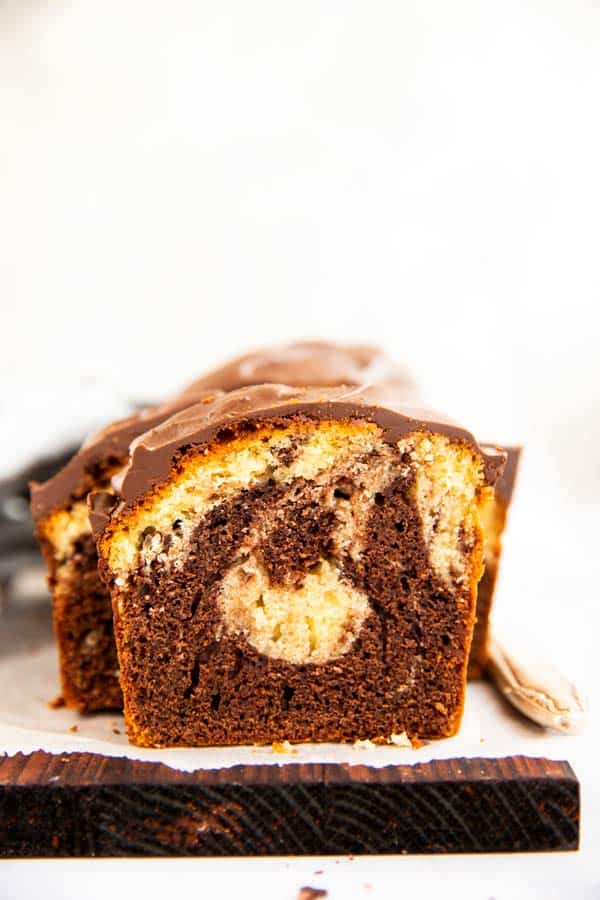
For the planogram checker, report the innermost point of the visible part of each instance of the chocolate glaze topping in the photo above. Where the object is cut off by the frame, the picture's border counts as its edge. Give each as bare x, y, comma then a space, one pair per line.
110, 443
306, 363
314, 363
152, 454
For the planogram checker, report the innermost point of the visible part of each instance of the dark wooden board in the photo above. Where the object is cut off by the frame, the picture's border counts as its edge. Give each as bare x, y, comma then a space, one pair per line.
82, 804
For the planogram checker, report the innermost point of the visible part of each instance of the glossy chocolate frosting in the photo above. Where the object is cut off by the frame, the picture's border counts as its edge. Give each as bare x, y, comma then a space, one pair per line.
152, 454
299, 364
306, 363
102, 447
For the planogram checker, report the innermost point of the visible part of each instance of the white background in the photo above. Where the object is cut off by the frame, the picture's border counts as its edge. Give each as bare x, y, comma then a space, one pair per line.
182, 181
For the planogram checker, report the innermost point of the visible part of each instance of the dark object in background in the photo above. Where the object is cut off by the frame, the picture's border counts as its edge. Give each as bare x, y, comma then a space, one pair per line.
18, 545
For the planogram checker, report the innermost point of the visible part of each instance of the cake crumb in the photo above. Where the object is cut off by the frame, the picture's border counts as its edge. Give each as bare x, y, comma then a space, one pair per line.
363, 745
116, 731
282, 747
400, 740
73, 728
56, 702
311, 893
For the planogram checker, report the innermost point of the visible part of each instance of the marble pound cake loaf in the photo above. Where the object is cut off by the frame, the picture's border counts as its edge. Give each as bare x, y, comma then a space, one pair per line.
295, 564
81, 605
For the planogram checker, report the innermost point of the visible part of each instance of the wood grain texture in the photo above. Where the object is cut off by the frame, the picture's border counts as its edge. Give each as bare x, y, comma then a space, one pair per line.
83, 804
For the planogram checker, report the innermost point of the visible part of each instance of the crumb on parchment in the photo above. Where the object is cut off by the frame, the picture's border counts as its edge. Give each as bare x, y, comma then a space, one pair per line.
397, 740
282, 747
311, 893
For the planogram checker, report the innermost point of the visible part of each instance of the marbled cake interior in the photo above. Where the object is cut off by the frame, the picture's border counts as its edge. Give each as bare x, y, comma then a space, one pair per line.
307, 547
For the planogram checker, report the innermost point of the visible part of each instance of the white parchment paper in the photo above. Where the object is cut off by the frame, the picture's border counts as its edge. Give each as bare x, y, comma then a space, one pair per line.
28, 681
